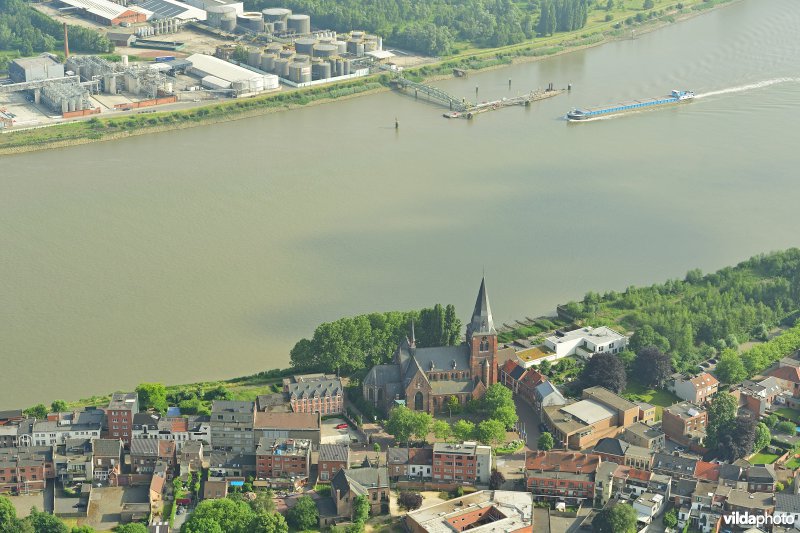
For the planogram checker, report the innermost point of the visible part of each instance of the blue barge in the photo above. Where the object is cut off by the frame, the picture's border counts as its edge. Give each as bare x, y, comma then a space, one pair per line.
674, 97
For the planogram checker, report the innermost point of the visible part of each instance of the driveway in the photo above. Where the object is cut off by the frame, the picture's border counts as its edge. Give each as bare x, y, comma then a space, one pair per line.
528, 421
331, 435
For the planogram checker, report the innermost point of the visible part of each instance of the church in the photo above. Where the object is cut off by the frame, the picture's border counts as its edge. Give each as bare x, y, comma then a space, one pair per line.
424, 379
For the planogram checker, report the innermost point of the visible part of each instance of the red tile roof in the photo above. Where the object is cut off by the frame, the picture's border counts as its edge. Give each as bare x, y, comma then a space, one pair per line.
509, 366
789, 373
706, 471
704, 380
532, 378
180, 425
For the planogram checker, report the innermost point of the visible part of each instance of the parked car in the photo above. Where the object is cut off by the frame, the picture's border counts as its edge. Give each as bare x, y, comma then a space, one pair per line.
341, 426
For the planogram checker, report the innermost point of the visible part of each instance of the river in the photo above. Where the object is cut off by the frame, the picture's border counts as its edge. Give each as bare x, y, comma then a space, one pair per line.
206, 253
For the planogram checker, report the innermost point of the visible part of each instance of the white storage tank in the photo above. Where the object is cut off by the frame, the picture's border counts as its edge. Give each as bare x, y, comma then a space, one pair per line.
251, 21
275, 14
301, 24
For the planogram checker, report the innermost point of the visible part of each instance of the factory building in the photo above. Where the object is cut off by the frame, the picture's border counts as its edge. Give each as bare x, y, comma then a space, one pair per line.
219, 74
172, 9
109, 13
35, 69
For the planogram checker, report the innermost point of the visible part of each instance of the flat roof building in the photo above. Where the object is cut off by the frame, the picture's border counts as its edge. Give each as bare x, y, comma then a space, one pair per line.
487, 511
43, 67
242, 80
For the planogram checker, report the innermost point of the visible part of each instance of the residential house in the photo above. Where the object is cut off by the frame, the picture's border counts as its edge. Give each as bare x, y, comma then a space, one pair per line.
349, 483
461, 462
755, 503
788, 377
604, 483
58, 428
704, 508
145, 425
232, 426
315, 393
600, 413
682, 492
647, 413
495, 510
276, 425
759, 397
631, 482
396, 462
560, 475
191, 458
235, 465
695, 389
510, 375
705, 471
645, 436
119, 416
648, 506
107, 456
74, 461
147, 453
420, 463
334, 457
11, 416
527, 384
620, 452
730, 474
215, 488
685, 423
156, 492
761, 478
787, 508
585, 342
545, 394
283, 458
677, 466
25, 469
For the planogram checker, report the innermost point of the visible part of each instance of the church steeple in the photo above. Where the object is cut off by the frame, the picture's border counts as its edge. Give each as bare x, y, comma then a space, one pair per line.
481, 322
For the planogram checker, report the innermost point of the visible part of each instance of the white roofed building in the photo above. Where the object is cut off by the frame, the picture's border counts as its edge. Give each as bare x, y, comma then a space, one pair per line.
109, 13
216, 73
585, 342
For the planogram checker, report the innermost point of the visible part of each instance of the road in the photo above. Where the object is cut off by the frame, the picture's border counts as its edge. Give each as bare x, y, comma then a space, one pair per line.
529, 421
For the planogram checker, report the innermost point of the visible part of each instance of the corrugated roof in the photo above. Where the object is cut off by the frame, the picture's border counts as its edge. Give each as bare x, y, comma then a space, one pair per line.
105, 9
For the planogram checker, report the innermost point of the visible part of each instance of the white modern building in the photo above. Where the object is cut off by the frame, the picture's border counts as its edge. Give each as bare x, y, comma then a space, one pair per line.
217, 73
66, 426
586, 342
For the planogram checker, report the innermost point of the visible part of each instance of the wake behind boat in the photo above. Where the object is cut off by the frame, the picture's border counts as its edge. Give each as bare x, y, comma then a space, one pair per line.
674, 97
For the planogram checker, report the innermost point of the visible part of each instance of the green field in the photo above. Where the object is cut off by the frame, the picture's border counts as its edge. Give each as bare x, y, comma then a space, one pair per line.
790, 414
763, 459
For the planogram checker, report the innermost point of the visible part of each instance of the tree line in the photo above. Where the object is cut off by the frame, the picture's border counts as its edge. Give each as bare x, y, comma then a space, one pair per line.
28, 31
432, 27
354, 344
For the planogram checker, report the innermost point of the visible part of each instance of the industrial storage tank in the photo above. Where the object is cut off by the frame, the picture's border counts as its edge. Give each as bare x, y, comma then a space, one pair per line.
360, 50
302, 58
286, 54
216, 15
254, 58
304, 46
357, 35
269, 27
268, 62
325, 50
320, 71
300, 72
282, 67
229, 21
346, 67
352, 46
279, 26
275, 48
325, 40
301, 24
370, 46
275, 14
252, 21
341, 47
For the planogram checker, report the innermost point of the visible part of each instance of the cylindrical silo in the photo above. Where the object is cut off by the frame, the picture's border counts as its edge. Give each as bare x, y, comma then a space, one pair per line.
336, 66
286, 54
282, 67
360, 50
325, 40
267, 62
279, 26
275, 48
341, 47
275, 14
300, 72
254, 57
325, 50
301, 24
320, 71
304, 45
302, 58
251, 21
345, 67
228, 22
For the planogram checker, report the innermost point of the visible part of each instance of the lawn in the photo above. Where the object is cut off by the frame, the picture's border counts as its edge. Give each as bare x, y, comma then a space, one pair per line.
660, 398
793, 463
791, 414
763, 458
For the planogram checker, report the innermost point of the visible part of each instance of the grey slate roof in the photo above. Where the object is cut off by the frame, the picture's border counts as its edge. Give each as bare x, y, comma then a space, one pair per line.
685, 487
612, 447
382, 374
333, 452
107, 447
231, 459
545, 389
482, 322
674, 464
445, 358
518, 372
787, 503
358, 480
231, 406
730, 472
397, 456
144, 447
316, 388
148, 420
761, 474
452, 386
12, 413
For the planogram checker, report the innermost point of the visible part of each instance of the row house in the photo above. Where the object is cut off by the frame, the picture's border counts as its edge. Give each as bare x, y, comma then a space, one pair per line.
58, 428
647, 413
119, 416
788, 377
283, 458
754, 503
685, 423
466, 462
191, 457
648, 506
487, 510
646, 436
677, 466
232, 425
787, 508
315, 393
562, 476
705, 471
16, 433
761, 478
173, 428
758, 397
585, 342
74, 461
694, 389
620, 452
528, 382
332, 458
107, 458
630, 483
350, 483
145, 454
23, 470
510, 375
235, 465
11, 417
415, 463
275, 425
702, 509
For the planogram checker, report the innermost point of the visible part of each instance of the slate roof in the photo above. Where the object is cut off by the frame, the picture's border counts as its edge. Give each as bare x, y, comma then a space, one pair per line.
382, 374
612, 447
546, 389
334, 452
684, 487
231, 459
452, 386
9, 414
730, 472
482, 322
445, 358
107, 447
144, 447
787, 503
395, 456
230, 406
421, 456
358, 480
674, 464
316, 388
148, 420
517, 372
761, 474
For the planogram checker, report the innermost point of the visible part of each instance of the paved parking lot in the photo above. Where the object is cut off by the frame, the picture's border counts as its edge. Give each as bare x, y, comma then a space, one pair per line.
107, 504
331, 435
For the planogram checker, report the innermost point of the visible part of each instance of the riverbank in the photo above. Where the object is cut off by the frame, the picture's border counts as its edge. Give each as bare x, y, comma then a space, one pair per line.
106, 129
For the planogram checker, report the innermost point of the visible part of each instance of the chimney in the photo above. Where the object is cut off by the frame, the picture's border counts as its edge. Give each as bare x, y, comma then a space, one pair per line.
66, 42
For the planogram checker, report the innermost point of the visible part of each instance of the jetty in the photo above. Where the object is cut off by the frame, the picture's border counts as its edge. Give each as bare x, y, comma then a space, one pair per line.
461, 108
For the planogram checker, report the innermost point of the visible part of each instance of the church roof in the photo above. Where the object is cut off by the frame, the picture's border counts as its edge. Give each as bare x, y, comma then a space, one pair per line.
451, 386
380, 375
482, 322
444, 358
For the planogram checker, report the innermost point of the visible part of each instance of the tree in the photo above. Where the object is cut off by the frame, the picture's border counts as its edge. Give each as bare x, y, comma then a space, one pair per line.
225, 514
737, 439
787, 427
647, 336
58, 406
779, 486
304, 515
507, 415
360, 509
453, 405
46, 523
545, 367
670, 518
497, 396
721, 413
410, 501
8, 513
547, 18
400, 423
220, 392
618, 519
38, 411
88, 529
133, 527
496, 480
604, 370
269, 523
421, 423
491, 432
648, 4
546, 441
441, 430
652, 366
730, 368
263, 502
463, 430
152, 396
771, 420
763, 436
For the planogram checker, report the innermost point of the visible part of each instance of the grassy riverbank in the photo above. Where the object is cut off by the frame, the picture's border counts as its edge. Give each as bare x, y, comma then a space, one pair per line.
624, 21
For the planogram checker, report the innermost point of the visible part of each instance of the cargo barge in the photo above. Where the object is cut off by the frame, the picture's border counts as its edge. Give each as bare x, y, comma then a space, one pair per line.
674, 97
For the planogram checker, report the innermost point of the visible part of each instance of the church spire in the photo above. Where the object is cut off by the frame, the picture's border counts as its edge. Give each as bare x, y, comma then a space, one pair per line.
482, 322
